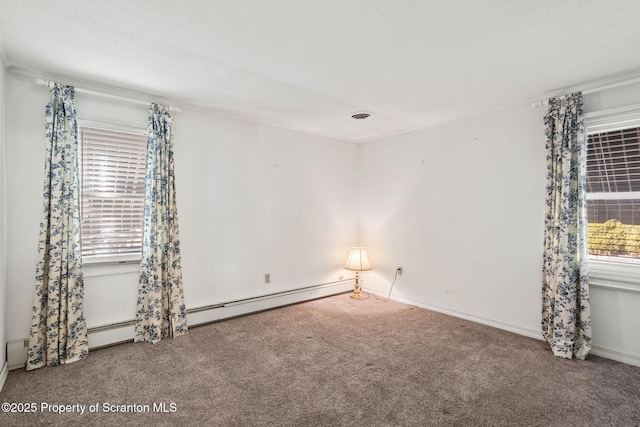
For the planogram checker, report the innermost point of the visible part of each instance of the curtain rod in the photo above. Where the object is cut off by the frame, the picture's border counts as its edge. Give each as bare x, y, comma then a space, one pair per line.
599, 86
49, 85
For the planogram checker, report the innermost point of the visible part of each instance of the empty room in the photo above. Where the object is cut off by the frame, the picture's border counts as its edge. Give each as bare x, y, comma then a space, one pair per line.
320, 213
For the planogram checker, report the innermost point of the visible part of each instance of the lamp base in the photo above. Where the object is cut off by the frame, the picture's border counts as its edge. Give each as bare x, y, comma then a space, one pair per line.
356, 294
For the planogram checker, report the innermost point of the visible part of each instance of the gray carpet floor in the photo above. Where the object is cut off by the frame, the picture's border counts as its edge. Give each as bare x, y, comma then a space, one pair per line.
332, 362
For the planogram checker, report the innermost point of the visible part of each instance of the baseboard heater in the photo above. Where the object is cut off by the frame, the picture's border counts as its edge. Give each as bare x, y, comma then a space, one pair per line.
119, 332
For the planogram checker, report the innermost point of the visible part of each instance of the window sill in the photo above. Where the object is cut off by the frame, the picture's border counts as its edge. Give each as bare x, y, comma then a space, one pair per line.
110, 265
615, 276
112, 259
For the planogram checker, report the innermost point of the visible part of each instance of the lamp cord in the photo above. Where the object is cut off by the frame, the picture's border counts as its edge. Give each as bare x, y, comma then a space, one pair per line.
365, 294
392, 283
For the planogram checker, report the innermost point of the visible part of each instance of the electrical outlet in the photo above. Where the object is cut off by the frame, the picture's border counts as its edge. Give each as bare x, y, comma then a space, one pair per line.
267, 278
399, 271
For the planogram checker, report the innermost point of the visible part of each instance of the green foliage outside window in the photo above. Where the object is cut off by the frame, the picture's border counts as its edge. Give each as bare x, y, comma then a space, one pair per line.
614, 238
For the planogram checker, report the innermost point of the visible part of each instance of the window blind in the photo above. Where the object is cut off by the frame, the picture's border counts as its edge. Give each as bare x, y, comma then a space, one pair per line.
112, 174
613, 161
613, 193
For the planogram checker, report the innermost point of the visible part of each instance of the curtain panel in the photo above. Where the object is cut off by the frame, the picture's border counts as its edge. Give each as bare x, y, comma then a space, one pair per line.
58, 329
161, 310
566, 313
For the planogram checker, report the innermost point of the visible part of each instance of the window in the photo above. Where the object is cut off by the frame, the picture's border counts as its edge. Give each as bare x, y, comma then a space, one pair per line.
613, 188
112, 181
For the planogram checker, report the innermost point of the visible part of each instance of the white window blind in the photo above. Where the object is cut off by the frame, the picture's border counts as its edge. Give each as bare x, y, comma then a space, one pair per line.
112, 181
613, 189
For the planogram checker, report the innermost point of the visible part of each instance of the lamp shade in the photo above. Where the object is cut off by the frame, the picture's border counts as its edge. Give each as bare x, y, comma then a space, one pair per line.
357, 260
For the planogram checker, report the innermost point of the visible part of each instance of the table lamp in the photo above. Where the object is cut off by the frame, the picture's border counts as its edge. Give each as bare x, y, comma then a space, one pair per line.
357, 262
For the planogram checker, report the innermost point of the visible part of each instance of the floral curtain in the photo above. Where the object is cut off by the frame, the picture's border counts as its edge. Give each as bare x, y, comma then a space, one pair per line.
161, 311
58, 329
566, 313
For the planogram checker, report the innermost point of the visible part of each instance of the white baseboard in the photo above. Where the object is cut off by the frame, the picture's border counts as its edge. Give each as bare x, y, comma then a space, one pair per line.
531, 333
267, 302
596, 350
124, 331
616, 355
17, 353
3, 374
102, 337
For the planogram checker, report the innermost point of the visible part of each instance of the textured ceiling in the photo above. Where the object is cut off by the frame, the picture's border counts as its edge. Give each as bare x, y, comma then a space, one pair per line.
309, 65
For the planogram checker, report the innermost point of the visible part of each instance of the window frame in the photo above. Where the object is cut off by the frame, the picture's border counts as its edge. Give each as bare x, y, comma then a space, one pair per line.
607, 274
100, 264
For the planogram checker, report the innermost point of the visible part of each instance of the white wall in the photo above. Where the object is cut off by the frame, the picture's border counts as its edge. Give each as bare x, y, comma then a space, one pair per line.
3, 270
460, 208
251, 200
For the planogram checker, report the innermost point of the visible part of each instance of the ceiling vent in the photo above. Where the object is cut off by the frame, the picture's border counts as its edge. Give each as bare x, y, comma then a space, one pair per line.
360, 116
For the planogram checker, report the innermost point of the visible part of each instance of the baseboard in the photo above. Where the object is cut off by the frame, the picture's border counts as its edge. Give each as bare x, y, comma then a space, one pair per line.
3, 374
596, 350
616, 355
124, 331
17, 353
116, 333
531, 333
209, 314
